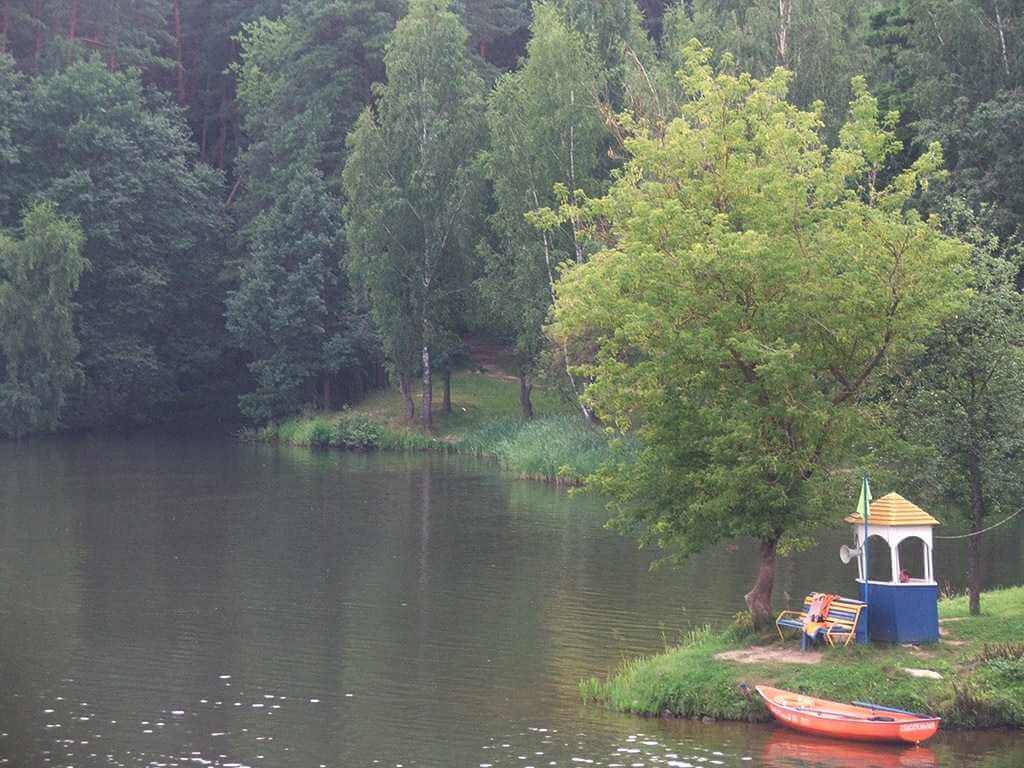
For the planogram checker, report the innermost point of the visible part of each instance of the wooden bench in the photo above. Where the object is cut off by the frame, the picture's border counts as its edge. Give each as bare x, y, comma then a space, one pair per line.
840, 623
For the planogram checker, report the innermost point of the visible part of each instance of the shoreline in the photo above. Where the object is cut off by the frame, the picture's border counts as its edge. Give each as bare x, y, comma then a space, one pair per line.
554, 447
979, 662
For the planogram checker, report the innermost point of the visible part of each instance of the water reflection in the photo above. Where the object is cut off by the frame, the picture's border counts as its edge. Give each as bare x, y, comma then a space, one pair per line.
783, 748
188, 602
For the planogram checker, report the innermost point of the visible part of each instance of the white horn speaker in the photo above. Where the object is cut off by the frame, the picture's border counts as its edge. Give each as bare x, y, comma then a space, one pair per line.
846, 554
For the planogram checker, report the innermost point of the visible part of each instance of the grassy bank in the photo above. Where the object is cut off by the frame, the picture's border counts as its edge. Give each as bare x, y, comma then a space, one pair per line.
555, 446
980, 658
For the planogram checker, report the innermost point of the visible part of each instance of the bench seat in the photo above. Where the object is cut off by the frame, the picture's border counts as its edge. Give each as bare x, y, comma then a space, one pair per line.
839, 624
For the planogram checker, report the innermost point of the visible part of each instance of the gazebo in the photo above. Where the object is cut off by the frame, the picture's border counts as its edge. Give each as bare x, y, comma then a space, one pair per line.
901, 591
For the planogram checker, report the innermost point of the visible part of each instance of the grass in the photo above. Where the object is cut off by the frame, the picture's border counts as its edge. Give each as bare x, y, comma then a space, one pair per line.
556, 446
982, 669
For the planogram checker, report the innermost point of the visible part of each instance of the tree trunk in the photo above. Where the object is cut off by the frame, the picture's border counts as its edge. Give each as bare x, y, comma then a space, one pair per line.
785, 20
327, 391
446, 404
525, 388
73, 20
759, 598
410, 406
37, 49
5, 24
179, 48
427, 397
974, 542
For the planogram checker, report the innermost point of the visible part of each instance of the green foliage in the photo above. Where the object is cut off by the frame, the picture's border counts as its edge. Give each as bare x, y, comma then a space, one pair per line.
347, 430
822, 42
689, 681
12, 115
302, 81
953, 67
753, 284
149, 312
413, 190
545, 131
357, 433
684, 682
960, 402
39, 274
614, 34
557, 448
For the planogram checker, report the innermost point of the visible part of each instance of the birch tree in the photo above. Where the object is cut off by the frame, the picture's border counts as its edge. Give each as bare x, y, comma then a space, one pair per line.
39, 273
545, 131
413, 190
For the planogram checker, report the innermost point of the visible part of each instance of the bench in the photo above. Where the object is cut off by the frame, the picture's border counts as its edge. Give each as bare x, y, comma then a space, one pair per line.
840, 623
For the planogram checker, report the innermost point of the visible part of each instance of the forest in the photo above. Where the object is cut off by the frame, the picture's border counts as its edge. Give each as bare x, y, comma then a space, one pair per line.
220, 256
221, 208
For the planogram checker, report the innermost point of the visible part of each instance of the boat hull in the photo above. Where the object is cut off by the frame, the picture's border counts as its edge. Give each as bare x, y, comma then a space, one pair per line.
846, 721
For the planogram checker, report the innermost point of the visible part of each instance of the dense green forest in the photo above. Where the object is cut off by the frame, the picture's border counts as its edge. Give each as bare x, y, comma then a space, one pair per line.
225, 256
225, 208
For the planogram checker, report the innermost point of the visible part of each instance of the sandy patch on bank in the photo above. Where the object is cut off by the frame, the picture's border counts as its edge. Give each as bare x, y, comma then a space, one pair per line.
769, 655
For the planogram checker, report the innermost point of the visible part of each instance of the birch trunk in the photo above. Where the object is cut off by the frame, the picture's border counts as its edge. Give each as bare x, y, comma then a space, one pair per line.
427, 397
785, 20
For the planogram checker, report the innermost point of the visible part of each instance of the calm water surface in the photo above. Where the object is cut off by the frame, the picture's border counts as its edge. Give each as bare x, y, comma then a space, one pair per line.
186, 602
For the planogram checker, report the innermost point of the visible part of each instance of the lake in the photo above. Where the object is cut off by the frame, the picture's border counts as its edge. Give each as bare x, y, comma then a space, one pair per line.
169, 601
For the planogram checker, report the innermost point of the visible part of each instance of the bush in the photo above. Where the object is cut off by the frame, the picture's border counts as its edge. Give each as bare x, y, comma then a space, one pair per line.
357, 432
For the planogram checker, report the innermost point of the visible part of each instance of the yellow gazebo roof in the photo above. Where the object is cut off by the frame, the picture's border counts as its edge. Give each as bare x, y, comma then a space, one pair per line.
893, 509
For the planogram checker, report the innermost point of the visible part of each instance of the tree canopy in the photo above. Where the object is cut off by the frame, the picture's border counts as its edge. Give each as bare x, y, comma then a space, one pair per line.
546, 132
753, 284
39, 274
960, 401
412, 189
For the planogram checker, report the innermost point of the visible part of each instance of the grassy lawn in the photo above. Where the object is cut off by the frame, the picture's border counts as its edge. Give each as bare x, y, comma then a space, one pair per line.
477, 399
981, 660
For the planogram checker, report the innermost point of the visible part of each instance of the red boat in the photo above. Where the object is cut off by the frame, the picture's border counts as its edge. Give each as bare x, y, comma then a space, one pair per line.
857, 721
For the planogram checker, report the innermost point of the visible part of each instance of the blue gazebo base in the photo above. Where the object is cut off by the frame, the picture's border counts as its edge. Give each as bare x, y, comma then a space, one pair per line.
903, 613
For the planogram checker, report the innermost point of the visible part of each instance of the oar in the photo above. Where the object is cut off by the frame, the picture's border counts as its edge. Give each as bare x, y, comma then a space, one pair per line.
879, 707
859, 719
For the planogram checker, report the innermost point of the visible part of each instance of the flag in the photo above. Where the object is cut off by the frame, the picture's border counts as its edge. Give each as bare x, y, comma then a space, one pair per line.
862, 509
865, 498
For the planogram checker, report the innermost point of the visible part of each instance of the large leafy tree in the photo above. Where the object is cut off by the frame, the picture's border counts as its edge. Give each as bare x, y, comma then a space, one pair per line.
39, 274
753, 285
961, 403
149, 315
412, 191
545, 131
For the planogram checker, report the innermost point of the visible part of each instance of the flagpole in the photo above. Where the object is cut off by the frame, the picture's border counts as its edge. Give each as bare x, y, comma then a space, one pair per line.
864, 495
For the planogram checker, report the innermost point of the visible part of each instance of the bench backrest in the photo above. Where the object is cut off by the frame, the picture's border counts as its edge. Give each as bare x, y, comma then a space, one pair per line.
842, 611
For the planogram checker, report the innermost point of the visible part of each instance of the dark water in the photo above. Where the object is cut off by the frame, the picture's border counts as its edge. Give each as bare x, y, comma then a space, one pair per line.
169, 602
